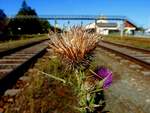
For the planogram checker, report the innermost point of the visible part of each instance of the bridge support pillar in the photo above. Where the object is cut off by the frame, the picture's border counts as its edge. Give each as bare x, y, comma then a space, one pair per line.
122, 28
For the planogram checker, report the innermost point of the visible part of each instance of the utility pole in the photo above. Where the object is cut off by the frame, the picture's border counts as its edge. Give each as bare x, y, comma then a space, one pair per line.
95, 25
68, 24
55, 25
81, 23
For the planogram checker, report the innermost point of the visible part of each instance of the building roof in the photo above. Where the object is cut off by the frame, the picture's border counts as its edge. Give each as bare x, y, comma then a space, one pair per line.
107, 24
129, 24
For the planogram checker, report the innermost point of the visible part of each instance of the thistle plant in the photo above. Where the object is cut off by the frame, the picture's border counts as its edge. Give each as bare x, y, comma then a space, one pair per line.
74, 46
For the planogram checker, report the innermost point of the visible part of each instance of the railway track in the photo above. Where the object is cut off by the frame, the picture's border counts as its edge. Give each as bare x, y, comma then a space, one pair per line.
129, 86
4, 52
14, 63
137, 55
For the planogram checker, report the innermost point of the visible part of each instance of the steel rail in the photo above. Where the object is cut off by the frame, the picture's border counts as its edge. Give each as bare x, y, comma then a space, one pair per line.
11, 68
128, 46
118, 51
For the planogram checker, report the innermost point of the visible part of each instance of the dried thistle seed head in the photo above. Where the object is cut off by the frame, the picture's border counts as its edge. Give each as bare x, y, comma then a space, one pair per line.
74, 45
90, 83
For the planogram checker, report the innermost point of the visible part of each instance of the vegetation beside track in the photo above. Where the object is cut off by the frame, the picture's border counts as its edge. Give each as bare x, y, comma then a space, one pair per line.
25, 39
43, 94
132, 41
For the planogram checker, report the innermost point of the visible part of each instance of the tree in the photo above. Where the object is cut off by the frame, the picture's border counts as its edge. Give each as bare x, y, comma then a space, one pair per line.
26, 10
27, 25
45, 26
3, 21
141, 29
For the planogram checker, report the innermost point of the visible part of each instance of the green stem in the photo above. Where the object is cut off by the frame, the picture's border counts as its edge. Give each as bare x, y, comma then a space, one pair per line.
54, 77
97, 90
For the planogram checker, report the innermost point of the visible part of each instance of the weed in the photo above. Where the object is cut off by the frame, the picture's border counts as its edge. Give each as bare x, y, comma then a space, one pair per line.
74, 46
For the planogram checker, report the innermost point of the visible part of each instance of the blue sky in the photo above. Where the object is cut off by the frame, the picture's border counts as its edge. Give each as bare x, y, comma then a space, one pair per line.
137, 10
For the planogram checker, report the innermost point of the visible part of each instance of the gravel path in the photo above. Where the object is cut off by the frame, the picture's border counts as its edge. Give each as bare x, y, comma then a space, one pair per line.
130, 91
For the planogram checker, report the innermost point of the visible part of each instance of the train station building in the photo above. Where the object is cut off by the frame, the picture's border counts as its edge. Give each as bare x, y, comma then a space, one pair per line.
105, 27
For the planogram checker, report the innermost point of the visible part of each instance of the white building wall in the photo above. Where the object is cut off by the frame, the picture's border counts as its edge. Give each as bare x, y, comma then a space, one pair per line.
102, 31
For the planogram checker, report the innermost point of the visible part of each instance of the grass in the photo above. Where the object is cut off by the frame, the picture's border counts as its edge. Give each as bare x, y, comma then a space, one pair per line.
24, 40
44, 94
133, 41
